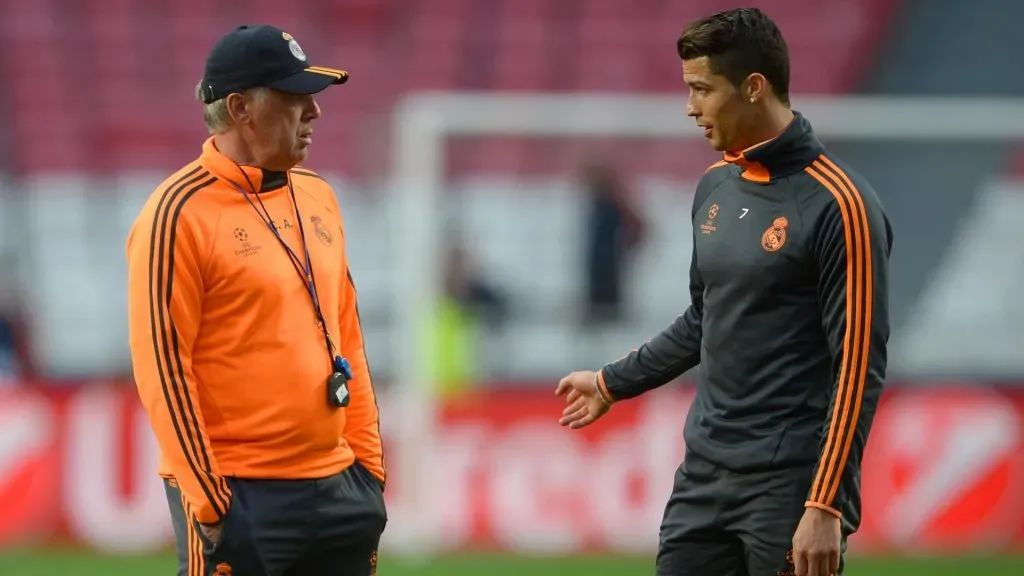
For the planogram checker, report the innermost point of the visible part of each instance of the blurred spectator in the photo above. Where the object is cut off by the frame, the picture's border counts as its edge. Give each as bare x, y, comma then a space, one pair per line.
465, 285
614, 230
471, 308
14, 356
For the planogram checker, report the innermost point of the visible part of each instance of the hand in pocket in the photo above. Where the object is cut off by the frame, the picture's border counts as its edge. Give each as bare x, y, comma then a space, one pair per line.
231, 547
213, 532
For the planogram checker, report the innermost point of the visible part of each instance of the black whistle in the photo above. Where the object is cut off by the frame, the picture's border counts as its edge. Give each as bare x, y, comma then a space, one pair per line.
337, 390
337, 383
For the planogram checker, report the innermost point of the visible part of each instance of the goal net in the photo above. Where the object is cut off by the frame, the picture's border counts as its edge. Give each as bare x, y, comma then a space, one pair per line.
497, 176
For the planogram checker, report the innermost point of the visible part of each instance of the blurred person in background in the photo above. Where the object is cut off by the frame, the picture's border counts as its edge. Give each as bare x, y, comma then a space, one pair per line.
15, 365
470, 311
465, 284
245, 336
789, 323
614, 230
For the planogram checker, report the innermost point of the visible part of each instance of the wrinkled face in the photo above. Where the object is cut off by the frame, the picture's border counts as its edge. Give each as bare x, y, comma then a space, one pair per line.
279, 128
716, 104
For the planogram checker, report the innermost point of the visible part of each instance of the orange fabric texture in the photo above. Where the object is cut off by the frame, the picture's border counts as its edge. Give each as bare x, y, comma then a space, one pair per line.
229, 360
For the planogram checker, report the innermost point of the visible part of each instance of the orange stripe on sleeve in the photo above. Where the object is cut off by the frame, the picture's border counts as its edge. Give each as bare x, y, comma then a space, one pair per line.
867, 311
859, 295
179, 400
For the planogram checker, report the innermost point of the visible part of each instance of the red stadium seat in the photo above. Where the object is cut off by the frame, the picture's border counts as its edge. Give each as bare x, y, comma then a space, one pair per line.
122, 84
39, 88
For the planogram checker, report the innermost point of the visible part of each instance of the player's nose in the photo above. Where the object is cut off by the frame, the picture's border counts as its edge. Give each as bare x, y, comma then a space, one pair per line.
312, 110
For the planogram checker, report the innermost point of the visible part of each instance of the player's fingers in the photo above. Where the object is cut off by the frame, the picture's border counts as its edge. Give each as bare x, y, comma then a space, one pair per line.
833, 563
572, 418
564, 385
799, 563
818, 565
584, 421
574, 412
573, 395
579, 403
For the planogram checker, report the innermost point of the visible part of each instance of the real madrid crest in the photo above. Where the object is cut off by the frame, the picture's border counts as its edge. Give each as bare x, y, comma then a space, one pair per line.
321, 231
293, 45
774, 238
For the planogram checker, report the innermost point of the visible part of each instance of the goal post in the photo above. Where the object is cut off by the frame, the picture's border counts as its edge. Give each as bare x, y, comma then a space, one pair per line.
423, 122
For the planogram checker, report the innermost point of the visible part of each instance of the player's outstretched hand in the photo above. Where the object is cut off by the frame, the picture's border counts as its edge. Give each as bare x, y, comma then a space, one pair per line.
816, 544
585, 403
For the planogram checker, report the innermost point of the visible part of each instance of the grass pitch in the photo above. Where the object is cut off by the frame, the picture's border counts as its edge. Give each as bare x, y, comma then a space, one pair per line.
80, 563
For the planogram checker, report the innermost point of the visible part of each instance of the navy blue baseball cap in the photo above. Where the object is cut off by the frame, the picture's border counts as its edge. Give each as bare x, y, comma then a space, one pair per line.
263, 57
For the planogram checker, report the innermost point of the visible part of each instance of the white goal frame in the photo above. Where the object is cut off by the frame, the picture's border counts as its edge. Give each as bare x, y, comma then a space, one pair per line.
422, 122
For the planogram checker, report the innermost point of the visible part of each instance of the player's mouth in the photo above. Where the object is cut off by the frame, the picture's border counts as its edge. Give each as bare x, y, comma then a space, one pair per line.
707, 130
306, 138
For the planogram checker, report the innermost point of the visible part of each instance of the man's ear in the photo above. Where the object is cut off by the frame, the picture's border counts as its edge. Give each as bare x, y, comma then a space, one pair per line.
239, 108
754, 87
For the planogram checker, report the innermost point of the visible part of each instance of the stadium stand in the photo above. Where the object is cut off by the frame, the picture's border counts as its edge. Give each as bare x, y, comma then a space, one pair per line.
115, 91
42, 121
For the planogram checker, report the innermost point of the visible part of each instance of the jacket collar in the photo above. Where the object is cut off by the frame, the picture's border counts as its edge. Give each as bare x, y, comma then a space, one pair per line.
788, 153
247, 178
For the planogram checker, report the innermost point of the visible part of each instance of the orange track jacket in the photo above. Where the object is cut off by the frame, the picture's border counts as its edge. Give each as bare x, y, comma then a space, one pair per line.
228, 356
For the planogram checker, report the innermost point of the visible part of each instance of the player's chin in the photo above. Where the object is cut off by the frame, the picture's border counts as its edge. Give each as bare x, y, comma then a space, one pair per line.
717, 144
300, 152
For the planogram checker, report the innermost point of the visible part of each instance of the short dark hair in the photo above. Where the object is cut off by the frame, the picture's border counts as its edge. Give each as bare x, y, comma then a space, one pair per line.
739, 43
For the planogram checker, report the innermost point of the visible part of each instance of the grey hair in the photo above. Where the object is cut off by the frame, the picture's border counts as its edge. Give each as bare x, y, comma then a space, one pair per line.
215, 114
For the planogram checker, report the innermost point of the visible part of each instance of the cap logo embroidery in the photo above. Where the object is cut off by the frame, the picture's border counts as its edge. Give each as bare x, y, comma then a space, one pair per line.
293, 45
